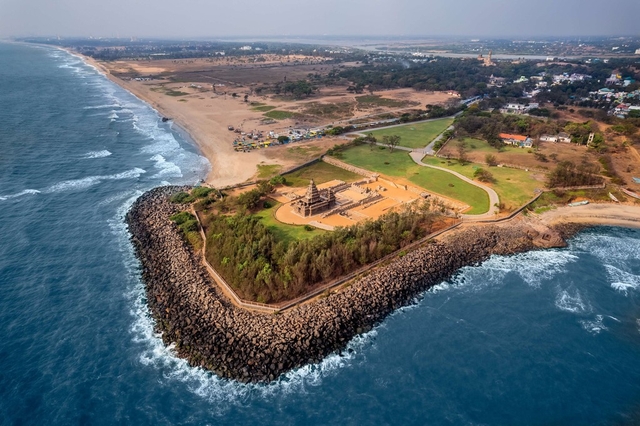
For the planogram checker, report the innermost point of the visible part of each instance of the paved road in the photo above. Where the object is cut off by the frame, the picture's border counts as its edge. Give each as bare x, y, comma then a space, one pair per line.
429, 148
494, 200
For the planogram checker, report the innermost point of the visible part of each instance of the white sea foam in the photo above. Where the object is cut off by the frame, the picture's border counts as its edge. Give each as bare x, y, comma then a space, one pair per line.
221, 393
621, 280
166, 168
96, 154
570, 300
532, 267
19, 194
77, 184
594, 326
107, 106
609, 248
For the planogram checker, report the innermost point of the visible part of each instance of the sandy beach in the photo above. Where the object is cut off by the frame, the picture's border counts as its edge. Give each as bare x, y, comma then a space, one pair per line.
595, 214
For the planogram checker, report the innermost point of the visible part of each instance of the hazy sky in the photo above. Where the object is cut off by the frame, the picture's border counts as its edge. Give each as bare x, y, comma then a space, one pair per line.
211, 18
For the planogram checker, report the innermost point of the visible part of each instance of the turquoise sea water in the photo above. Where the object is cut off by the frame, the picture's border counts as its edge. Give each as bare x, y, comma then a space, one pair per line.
546, 337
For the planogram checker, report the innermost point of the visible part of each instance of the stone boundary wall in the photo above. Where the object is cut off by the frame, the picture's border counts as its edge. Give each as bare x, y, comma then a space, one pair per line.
348, 167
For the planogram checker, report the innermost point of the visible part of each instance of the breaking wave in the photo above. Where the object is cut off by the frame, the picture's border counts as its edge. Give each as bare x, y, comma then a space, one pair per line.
97, 154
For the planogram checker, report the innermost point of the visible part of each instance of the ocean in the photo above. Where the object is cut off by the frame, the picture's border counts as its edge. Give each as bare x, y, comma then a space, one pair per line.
545, 337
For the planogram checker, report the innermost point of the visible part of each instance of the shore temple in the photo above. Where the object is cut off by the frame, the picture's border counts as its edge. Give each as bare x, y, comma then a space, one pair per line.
314, 201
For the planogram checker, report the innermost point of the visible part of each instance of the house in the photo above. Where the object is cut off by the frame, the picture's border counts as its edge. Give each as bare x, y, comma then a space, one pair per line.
621, 110
564, 137
513, 109
614, 79
516, 140
549, 138
606, 92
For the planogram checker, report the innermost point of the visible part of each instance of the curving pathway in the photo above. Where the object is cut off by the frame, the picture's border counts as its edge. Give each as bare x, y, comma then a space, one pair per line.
494, 200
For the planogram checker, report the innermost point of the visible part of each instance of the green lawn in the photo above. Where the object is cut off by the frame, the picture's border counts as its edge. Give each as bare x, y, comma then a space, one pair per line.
279, 115
399, 164
415, 135
320, 172
282, 231
263, 108
266, 171
514, 186
379, 101
171, 92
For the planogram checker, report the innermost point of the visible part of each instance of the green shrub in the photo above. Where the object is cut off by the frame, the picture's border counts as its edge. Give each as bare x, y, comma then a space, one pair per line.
201, 192
278, 180
181, 198
182, 217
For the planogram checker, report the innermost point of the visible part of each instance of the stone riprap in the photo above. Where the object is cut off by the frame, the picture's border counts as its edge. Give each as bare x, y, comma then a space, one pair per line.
210, 332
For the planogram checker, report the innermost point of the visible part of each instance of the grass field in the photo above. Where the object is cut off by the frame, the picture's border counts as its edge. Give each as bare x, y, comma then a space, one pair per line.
266, 171
263, 108
514, 186
282, 231
304, 152
378, 101
320, 172
415, 135
478, 145
279, 115
171, 92
399, 164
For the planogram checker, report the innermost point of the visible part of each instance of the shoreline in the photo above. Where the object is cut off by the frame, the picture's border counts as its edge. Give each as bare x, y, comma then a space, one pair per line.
182, 128
205, 120
212, 333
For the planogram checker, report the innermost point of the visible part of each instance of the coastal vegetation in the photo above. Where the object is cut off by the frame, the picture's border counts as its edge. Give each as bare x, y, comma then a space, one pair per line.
188, 224
568, 174
266, 266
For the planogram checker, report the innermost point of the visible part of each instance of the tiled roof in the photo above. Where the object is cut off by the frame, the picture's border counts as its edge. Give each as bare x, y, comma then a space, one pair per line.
514, 137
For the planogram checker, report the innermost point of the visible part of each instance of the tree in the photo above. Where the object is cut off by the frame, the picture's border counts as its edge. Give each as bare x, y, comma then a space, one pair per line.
484, 175
391, 141
462, 153
371, 140
567, 174
491, 160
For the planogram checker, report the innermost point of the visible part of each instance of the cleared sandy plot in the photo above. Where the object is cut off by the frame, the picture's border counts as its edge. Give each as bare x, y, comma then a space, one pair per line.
394, 196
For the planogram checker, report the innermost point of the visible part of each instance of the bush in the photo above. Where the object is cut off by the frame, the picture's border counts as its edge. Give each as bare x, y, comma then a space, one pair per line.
201, 192
483, 175
185, 221
181, 198
278, 180
491, 160
541, 157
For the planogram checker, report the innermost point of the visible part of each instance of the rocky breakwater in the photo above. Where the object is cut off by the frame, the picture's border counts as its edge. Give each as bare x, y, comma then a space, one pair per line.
210, 332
